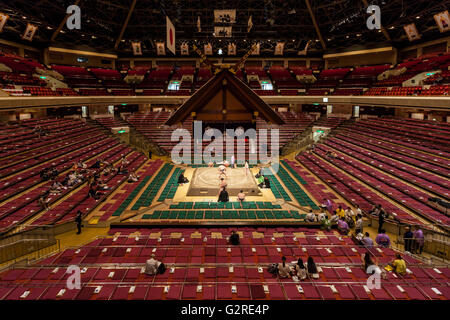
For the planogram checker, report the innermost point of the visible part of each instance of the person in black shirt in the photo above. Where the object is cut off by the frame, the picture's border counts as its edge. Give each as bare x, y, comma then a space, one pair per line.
223, 196
78, 220
234, 238
408, 238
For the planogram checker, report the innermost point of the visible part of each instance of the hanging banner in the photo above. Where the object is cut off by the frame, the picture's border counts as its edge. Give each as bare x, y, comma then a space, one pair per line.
411, 32
208, 49
160, 49
184, 48
256, 51
3, 18
170, 31
199, 24
249, 24
137, 50
231, 49
29, 32
223, 32
224, 16
279, 48
443, 21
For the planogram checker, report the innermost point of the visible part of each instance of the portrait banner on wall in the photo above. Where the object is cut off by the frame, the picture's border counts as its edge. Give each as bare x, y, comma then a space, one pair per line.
411, 32
29, 32
443, 21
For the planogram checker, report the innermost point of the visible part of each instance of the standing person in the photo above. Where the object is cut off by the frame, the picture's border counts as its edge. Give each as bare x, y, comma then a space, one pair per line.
382, 239
381, 216
78, 220
359, 224
233, 161
419, 240
408, 238
246, 168
358, 210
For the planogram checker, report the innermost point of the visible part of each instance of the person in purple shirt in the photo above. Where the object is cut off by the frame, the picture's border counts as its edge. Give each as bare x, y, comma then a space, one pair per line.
382, 239
327, 204
366, 241
419, 240
343, 226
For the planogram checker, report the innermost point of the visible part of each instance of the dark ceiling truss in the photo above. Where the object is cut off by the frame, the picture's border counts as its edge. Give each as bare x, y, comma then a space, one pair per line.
342, 23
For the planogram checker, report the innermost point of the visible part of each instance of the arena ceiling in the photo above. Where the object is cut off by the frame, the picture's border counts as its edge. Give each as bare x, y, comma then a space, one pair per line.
331, 25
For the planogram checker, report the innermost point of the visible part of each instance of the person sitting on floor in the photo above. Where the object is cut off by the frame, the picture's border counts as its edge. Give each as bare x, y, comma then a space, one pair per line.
312, 269
283, 269
368, 261
223, 196
266, 183
182, 179
241, 196
122, 170
322, 216
133, 177
300, 269
399, 265
261, 181
234, 238
382, 239
343, 226
311, 217
334, 217
151, 266
367, 241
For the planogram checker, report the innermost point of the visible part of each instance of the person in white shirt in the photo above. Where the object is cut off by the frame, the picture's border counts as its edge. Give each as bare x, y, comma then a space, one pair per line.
300, 269
311, 217
322, 216
283, 269
151, 266
246, 168
233, 162
358, 210
349, 213
359, 224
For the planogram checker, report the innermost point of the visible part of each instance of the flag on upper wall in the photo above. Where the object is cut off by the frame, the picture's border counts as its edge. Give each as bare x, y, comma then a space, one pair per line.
3, 18
137, 49
208, 49
199, 24
184, 48
411, 32
249, 24
29, 32
170, 29
443, 21
256, 51
160, 50
231, 49
279, 48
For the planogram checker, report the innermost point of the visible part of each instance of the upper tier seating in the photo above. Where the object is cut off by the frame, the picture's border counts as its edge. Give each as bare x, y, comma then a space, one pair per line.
156, 79
25, 155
